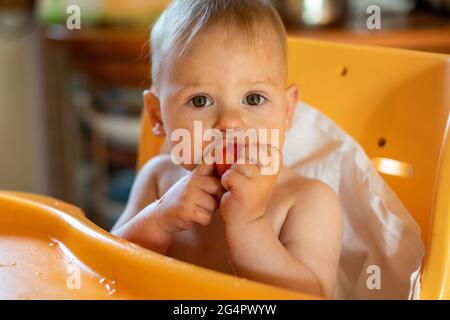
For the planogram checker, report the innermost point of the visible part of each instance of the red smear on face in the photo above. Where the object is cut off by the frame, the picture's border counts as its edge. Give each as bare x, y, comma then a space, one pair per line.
221, 168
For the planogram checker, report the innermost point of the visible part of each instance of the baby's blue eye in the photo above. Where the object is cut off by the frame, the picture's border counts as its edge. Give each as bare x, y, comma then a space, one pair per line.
201, 101
254, 99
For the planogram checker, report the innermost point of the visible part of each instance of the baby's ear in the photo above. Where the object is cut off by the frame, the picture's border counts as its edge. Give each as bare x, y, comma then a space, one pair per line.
292, 95
153, 109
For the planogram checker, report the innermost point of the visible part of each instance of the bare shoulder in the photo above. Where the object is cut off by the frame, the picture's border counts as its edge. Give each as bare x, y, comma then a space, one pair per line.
315, 192
156, 164
146, 187
150, 182
313, 203
161, 172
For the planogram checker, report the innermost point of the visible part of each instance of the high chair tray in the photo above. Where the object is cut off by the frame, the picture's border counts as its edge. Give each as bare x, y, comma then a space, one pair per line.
50, 250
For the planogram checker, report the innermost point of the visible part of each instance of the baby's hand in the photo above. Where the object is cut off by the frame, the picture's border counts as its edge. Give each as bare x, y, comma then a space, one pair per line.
248, 193
193, 199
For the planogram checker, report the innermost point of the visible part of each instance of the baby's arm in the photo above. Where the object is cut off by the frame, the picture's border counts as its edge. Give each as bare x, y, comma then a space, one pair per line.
192, 199
142, 228
305, 257
312, 233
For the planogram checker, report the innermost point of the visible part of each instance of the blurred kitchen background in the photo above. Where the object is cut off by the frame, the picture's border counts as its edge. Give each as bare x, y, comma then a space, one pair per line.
70, 100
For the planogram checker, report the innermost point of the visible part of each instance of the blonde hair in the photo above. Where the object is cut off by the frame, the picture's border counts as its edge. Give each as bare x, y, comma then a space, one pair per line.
184, 21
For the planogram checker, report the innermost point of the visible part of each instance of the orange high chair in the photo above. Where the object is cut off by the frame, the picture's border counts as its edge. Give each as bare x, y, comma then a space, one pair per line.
395, 103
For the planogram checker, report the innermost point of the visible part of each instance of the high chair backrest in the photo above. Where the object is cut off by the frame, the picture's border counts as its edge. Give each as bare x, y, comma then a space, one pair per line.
395, 103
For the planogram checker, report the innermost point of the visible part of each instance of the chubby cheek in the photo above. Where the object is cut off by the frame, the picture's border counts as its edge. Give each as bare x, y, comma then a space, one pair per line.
275, 126
187, 147
279, 121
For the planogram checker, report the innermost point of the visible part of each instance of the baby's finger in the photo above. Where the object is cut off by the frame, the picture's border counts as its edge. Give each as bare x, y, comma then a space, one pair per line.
204, 169
201, 216
207, 202
248, 154
234, 181
247, 169
211, 185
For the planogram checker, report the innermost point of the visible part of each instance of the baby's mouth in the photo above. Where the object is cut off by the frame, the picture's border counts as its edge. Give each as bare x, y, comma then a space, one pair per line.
231, 145
226, 157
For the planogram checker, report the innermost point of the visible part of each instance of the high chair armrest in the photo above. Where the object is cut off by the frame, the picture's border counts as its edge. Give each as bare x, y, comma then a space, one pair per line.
41, 235
47, 201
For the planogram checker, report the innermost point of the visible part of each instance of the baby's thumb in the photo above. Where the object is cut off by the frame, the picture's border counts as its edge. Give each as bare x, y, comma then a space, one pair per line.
204, 169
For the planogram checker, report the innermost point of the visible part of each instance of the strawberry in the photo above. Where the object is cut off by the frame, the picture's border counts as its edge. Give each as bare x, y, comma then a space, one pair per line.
222, 167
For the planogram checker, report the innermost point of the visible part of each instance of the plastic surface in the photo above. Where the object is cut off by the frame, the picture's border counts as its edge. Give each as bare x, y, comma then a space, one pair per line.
45, 244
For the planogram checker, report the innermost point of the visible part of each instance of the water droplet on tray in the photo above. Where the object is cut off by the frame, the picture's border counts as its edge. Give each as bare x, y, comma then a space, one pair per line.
109, 285
12, 264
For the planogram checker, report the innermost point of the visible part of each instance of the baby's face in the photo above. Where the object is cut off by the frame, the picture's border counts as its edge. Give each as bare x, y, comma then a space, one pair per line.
227, 83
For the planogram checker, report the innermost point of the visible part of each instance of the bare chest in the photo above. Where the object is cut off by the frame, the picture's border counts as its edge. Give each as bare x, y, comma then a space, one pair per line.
206, 245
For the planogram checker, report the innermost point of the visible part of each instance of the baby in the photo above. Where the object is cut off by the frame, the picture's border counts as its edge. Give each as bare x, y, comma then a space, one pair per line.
222, 63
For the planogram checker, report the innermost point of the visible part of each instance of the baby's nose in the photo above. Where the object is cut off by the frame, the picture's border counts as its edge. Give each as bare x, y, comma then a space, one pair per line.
229, 119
